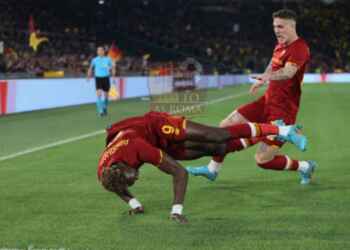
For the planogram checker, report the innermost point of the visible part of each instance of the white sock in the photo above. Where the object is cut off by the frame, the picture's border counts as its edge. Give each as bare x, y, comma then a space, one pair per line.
214, 166
283, 130
177, 209
303, 166
252, 129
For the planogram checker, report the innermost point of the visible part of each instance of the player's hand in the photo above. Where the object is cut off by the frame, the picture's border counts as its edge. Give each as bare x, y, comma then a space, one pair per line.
138, 210
179, 218
254, 88
260, 81
261, 78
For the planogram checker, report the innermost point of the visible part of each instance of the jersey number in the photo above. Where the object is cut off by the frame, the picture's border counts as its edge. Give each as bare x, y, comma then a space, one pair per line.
170, 130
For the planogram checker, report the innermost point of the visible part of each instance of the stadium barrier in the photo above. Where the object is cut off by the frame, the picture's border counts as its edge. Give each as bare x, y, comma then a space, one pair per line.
36, 94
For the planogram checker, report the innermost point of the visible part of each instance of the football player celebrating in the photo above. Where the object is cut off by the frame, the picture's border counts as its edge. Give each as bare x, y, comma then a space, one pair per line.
160, 139
284, 76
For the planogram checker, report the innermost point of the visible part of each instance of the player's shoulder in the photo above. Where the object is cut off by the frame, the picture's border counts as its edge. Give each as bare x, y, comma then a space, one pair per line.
301, 44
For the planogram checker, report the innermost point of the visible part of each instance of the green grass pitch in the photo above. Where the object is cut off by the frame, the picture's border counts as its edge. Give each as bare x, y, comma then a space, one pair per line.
51, 198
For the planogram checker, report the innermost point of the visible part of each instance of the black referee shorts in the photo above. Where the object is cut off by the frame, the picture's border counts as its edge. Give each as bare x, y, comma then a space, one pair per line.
102, 83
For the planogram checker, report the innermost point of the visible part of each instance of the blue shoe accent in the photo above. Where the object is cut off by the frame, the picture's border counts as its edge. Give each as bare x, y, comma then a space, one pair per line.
202, 171
99, 106
279, 123
306, 175
294, 137
105, 103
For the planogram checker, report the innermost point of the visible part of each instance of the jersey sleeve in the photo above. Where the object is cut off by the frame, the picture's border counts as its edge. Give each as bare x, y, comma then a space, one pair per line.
147, 153
299, 55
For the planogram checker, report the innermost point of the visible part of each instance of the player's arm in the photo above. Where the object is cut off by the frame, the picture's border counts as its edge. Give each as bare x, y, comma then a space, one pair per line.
114, 179
260, 79
124, 194
268, 69
180, 177
89, 72
179, 174
168, 165
297, 59
287, 72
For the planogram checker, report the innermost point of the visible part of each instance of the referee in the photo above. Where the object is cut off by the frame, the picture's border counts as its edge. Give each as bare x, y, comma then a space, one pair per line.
103, 67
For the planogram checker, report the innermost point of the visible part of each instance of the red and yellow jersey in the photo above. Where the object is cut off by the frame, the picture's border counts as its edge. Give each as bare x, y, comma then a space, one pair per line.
158, 128
285, 94
131, 149
138, 140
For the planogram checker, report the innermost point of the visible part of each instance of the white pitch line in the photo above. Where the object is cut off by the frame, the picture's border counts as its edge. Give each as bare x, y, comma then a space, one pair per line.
88, 135
51, 145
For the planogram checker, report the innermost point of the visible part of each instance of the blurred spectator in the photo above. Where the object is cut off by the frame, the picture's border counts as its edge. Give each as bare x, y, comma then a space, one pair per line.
227, 36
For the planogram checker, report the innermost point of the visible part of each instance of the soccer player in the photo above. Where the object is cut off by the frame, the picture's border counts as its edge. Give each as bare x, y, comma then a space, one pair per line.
102, 67
284, 76
160, 139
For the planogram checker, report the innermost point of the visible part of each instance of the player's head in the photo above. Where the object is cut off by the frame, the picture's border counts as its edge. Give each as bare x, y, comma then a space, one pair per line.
284, 25
118, 177
100, 51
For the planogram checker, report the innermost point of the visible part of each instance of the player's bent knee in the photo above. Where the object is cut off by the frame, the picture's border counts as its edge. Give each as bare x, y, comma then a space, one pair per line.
224, 123
261, 159
232, 119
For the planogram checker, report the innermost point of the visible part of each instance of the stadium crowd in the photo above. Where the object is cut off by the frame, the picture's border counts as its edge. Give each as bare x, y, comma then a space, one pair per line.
224, 36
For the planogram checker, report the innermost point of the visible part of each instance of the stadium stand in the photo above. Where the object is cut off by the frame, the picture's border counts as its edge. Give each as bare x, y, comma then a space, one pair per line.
224, 36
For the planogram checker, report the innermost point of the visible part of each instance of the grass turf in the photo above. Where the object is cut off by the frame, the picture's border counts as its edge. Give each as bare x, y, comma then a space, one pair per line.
51, 198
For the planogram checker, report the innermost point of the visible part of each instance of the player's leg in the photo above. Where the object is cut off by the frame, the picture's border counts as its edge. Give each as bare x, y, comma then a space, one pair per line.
203, 133
105, 102
99, 94
269, 157
177, 129
99, 101
192, 154
235, 118
251, 112
207, 148
195, 150
106, 88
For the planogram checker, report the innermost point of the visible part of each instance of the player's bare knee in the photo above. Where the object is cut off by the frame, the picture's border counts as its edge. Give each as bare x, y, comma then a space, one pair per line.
233, 119
261, 158
224, 123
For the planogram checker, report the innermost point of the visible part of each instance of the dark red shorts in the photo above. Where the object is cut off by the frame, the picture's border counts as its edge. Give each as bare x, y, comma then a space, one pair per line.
259, 111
